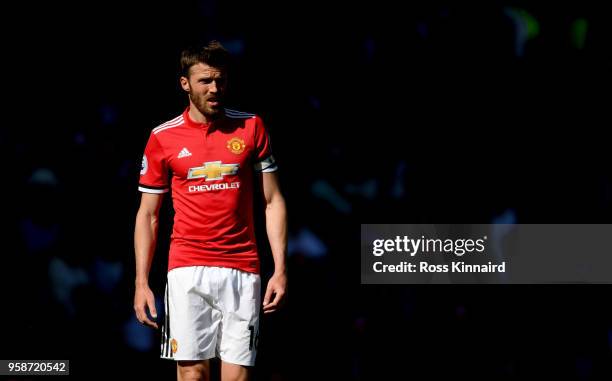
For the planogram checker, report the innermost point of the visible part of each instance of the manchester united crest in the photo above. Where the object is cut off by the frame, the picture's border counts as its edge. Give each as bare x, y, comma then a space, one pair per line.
236, 145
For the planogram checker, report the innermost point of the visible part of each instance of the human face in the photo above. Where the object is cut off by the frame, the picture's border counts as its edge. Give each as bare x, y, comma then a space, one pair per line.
206, 87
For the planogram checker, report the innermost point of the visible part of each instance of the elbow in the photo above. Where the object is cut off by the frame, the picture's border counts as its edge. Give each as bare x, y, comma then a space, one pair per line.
147, 217
277, 202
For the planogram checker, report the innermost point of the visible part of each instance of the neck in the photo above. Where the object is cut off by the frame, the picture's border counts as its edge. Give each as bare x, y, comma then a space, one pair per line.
196, 115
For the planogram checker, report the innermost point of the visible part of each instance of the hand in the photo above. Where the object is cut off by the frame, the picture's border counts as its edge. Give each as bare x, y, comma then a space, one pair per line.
277, 287
144, 298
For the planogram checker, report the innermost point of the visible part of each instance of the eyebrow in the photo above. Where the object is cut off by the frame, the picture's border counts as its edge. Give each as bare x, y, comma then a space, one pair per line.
208, 75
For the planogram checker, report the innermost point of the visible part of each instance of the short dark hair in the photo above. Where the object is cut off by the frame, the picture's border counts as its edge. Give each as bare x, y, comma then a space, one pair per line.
213, 54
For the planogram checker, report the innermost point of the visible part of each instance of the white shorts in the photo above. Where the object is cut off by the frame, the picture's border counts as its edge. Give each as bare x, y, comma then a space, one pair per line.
211, 312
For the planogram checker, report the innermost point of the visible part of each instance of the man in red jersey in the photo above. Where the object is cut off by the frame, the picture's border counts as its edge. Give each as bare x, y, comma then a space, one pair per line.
214, 156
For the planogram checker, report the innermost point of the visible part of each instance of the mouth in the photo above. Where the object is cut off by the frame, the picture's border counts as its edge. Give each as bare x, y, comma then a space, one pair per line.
213, 102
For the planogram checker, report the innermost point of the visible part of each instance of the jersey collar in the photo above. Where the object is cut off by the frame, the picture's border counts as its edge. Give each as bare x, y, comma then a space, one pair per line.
192, 123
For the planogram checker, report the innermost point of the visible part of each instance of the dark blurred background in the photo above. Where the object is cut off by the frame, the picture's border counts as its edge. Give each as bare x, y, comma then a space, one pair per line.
427, 112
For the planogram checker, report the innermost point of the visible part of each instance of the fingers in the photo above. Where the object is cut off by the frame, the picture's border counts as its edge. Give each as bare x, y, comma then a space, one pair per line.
268, 296
275, 304
149, 323
151, 305
142, 316
269, 310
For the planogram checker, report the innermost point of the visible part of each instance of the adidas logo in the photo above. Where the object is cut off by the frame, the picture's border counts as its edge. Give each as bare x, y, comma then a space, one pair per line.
184, 153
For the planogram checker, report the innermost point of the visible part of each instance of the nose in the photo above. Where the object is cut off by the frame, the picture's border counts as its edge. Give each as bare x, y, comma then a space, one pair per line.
213, 87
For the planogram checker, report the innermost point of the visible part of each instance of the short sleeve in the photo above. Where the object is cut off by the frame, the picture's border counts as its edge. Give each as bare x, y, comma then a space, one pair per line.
264, 161
154, 169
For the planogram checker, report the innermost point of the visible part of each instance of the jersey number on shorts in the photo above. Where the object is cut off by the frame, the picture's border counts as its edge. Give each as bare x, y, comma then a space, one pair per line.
251, 343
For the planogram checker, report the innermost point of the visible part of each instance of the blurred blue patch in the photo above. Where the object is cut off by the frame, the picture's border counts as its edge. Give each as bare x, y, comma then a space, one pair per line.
460, 311
508, 216
108, 114
367, 190
323, 190
38, 238
370, 48
315, 103
137, 336
584, 368
107, 275
63, 280
526, 27
398, 191
235, 47
43, 176
79, 138
422, 29
306, 243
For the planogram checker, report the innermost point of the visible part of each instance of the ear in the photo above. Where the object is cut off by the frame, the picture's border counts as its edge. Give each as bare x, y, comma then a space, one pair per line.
185, 83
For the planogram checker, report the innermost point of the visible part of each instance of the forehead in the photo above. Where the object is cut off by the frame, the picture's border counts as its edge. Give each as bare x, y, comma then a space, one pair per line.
202, 70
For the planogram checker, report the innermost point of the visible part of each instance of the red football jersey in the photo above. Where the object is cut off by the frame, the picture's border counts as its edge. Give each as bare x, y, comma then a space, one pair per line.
211, 166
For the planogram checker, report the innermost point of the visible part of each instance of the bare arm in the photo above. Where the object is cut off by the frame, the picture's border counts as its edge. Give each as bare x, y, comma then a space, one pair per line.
145, 238
276, 227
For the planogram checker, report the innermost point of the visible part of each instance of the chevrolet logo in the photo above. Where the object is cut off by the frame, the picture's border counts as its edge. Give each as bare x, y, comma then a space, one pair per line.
212, 170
